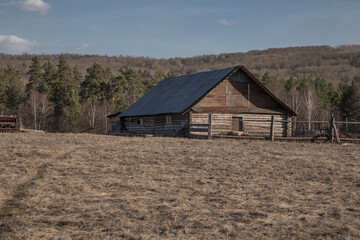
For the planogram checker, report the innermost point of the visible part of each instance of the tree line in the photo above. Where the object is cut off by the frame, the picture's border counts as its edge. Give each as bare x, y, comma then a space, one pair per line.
58, 98
315, 98
335, 64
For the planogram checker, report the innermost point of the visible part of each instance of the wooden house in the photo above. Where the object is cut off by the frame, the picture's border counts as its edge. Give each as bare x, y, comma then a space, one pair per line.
235, 100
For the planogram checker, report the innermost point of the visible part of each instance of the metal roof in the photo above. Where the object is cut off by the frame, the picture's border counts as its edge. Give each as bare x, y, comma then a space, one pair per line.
177, 94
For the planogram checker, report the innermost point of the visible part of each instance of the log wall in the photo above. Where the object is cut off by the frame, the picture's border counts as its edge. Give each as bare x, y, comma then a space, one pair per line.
115, 124
157, 125
253, 124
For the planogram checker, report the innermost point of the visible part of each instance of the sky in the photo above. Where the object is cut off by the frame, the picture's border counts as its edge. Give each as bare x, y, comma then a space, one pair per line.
173, 28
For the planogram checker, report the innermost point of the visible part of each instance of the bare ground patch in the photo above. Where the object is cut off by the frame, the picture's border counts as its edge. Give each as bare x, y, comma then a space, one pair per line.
80, 186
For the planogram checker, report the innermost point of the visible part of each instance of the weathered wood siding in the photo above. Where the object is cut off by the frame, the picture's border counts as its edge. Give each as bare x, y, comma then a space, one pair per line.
157, 125
115, 124
260, 125
253, 124
238, 94
238, 98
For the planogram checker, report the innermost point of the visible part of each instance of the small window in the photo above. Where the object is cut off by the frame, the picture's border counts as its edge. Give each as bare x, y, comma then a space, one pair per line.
140, 121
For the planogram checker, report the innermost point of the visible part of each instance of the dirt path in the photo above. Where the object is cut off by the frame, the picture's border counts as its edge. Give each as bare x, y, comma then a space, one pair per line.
14, 203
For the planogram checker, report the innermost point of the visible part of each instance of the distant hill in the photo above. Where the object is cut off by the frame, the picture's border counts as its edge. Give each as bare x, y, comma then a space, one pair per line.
335, 64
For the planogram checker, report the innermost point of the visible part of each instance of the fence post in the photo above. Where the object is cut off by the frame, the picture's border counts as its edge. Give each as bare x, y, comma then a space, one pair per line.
331, 129
272, 128
336, 132
210, 126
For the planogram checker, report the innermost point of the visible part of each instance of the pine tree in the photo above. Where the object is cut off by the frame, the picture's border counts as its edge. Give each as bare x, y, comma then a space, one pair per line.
77, 75
73, 110
132, 84
117, 97
326, 93
49, 76
350, 102
36, 79
66, 102
10, 90
93, 89
3, 85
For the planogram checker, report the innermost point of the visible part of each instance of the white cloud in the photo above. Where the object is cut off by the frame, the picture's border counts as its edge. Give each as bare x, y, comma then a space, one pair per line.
226, 22
33, 5
14, 44
80, 47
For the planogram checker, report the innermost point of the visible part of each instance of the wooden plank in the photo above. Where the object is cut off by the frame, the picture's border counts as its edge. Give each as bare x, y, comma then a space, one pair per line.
272, 128
336, 132
199, 130
210, 127
331, 130
342, 122
199, 125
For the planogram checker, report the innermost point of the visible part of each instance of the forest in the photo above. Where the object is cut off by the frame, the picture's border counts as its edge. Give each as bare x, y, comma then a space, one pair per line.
71, 93
335, 64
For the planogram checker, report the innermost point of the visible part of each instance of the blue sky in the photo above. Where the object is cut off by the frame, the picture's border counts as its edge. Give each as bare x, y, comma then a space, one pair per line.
169, 28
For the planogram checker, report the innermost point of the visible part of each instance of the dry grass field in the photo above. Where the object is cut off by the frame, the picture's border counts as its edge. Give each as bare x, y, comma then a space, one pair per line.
81, 186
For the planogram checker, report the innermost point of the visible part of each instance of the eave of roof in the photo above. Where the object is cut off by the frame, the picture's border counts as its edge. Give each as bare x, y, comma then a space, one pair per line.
113, 115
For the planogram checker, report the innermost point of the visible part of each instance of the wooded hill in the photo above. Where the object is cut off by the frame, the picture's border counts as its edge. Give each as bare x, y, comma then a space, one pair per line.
73, 92
335, 64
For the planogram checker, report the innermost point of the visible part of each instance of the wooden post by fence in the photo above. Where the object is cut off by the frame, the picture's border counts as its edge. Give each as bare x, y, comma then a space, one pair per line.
210, 126
272, 128
336, 132
331, 129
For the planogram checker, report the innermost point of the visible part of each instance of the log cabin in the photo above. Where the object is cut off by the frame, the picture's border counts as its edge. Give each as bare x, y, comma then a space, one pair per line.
236, 101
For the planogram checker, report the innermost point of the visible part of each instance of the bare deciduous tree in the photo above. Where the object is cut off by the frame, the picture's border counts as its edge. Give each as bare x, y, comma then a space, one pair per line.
40, 108
310, 104
34, 103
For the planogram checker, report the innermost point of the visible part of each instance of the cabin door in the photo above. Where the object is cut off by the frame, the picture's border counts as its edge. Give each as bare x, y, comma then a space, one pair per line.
237, 124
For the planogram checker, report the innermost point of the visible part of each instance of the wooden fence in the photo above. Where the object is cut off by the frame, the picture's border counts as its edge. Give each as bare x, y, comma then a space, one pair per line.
328, 129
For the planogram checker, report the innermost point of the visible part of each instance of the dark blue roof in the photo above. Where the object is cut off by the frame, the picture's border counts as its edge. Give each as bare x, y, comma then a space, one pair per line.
177, 94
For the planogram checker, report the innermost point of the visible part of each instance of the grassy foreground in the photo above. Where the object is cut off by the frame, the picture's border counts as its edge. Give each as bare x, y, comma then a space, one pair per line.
81, 186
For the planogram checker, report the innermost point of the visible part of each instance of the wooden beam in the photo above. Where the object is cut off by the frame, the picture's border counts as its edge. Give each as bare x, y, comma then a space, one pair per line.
210, 126
336, 132
272, 128
331, 130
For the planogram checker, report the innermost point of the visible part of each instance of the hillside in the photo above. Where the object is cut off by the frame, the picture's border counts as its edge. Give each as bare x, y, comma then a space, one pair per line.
82, 186
335, 64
